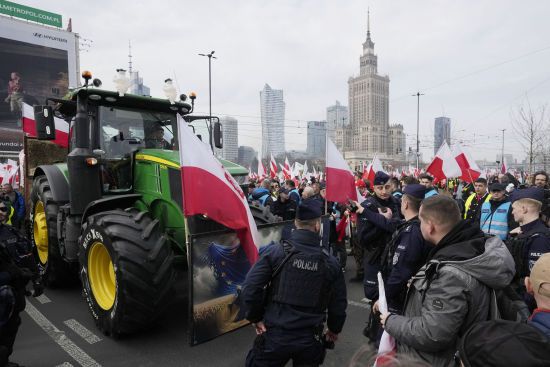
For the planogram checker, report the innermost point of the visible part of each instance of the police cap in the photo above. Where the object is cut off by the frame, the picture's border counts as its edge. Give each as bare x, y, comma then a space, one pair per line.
381, 178
415, 190
534, 193
309, 209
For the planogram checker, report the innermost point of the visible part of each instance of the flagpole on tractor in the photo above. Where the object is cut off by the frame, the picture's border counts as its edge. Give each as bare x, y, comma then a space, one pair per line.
210, 57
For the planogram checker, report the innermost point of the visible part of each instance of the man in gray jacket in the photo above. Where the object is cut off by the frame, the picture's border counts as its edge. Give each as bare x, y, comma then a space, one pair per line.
453, 290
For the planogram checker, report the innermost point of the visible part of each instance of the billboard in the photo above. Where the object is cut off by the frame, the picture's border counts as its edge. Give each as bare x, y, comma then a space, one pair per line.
217, 270
36, 62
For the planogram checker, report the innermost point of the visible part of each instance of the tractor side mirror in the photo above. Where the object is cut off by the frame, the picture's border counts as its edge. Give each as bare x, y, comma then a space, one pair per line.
45, 125
218, 138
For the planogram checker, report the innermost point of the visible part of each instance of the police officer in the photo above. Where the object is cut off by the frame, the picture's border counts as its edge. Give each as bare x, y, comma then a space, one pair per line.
407, 251
495, 216
373, 238
17, 268
303, 283
533, 237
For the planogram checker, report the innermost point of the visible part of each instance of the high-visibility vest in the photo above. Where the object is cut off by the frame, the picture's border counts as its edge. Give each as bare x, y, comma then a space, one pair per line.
469, 202
12, 212
496, 222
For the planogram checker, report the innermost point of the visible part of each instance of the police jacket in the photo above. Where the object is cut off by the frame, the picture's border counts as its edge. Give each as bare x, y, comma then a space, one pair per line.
17, 249
403, 257
371, 234
289, 314
495, 218
294, 194
450, 293
431, 192
529, 245
285, 210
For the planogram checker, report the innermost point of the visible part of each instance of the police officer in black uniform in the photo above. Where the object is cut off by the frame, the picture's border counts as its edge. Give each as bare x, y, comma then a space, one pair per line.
17, 268
305, 288
372, 237
406, 252
530, 240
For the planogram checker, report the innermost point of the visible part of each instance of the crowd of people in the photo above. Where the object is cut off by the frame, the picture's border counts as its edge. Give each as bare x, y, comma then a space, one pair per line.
465, 265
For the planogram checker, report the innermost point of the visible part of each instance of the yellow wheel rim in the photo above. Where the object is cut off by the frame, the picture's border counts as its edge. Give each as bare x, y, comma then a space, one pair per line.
40, 232
101, 274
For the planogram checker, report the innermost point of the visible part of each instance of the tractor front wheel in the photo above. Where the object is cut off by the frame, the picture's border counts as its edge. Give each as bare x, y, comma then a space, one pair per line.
126, 268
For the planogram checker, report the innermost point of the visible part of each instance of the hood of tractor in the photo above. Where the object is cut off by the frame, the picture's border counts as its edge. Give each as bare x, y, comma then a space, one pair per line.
171, 158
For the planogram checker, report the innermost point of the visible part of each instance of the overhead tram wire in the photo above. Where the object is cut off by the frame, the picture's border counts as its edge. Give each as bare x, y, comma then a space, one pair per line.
475, 72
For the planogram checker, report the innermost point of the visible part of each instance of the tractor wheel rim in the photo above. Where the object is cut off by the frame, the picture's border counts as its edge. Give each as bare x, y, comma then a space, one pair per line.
40, 232
101, 274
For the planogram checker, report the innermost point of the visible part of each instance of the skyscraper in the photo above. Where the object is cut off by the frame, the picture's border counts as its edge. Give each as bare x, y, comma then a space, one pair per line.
369, 132
246, 155
316, 139
136, 82
337, 117
230, 129
273, 121
442, 132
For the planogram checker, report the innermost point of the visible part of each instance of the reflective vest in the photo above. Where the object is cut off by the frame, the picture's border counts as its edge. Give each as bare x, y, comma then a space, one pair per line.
469, 202
431, 193
10, 216
495, 223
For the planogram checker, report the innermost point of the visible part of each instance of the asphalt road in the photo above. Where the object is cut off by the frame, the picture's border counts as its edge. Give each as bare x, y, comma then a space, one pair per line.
57, 330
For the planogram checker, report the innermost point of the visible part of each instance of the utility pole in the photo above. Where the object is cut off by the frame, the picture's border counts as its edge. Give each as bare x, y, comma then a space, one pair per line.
417, 95
502, 154
210, 57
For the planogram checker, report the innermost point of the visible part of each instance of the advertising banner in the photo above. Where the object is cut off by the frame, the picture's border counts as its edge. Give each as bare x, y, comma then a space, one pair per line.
36, 63
32, 14
217, 270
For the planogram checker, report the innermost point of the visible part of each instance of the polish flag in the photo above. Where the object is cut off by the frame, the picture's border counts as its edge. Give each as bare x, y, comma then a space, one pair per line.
305, 170
504, 166
286, 169
61, 126
200, 170
340, 180
375, 166
261, 169
284, 172
468, 166
444, 164
366, 170
272, 167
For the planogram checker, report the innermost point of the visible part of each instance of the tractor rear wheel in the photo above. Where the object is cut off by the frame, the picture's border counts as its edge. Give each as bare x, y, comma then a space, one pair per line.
126, 268
55, 271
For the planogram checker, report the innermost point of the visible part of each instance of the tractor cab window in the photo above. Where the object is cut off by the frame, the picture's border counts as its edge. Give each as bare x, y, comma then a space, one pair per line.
123, 132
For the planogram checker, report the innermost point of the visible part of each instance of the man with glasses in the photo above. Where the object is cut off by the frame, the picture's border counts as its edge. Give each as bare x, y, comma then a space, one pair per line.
6, 213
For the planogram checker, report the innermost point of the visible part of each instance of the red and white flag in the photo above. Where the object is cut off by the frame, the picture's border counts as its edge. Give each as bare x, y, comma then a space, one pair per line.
61, 126
272, 167
261, 170
387, 348
286, 169
444, 164
200, 170
374, 166
468, 166
340, 180
504, 166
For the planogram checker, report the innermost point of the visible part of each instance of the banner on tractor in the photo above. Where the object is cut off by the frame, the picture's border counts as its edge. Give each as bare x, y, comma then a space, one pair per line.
218, 267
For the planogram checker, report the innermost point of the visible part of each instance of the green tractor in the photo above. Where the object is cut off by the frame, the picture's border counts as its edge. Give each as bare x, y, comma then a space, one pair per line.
111, 213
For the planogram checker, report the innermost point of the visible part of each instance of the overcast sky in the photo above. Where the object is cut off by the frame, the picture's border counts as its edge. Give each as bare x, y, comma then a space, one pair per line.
310, 48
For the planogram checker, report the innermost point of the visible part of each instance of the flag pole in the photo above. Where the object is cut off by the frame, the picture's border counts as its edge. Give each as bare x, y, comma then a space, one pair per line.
326, 152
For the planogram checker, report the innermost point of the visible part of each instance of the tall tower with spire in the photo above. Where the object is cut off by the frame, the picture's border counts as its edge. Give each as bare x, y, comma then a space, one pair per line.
136, 82
368, 133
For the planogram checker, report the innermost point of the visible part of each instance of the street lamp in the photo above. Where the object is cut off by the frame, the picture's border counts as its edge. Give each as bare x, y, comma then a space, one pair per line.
210, 57
417, 95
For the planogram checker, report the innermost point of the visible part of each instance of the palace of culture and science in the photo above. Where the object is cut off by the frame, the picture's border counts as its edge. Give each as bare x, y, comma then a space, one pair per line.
369, 132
